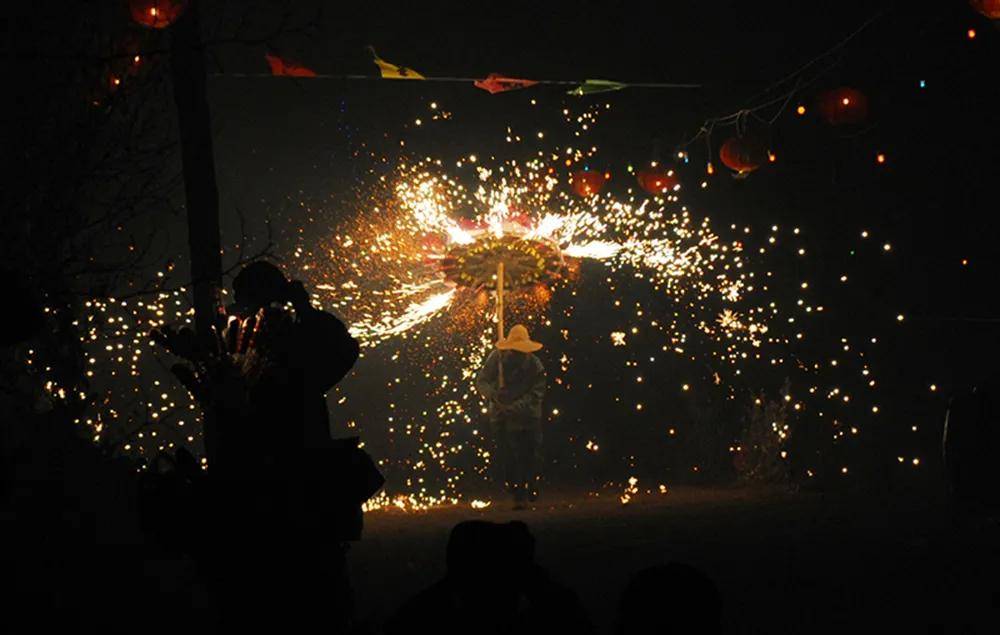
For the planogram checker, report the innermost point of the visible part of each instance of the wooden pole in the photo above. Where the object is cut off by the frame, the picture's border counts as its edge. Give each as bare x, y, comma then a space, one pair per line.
500, 301
500, 316
187, 69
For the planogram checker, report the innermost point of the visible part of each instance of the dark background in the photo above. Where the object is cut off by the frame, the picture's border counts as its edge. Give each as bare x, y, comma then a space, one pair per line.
299, 153
286, 145
293, 156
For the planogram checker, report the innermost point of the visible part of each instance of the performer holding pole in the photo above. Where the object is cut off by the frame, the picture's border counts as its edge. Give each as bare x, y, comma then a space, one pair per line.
513, 382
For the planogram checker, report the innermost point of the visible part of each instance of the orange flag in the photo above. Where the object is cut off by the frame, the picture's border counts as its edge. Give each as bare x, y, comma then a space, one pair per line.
284, 68
496, 83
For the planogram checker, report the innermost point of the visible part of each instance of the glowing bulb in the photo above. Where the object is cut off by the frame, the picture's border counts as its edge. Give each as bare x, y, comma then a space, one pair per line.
801, 110
971, 33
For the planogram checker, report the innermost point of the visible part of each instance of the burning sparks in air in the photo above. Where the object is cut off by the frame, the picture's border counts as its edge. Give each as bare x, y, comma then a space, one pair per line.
412, 270
423, 260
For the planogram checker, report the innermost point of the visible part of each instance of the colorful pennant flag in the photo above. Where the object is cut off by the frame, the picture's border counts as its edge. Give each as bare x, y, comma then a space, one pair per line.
495, 83
392, 71
592, 86
284, 68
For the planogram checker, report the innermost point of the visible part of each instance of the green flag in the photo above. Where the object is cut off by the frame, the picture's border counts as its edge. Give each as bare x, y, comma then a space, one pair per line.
591, 86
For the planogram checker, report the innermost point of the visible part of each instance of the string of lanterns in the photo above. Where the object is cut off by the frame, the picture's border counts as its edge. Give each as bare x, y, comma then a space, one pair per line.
742, 154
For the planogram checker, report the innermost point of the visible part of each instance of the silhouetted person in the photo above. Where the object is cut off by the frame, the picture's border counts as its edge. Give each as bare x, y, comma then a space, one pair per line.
670, 599
492, 586
513, 381
284, 495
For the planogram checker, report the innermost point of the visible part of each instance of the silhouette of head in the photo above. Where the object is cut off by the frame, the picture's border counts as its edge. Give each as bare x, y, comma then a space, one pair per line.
469, 547
520, 544
259, 284
490, 555
670, 598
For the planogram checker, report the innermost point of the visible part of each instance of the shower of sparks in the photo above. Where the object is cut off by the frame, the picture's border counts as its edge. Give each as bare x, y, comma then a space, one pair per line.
388, 270
419, 267
412, 272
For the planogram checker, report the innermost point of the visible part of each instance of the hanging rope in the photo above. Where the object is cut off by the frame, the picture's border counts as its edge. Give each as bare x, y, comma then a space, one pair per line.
784, 98
446, 79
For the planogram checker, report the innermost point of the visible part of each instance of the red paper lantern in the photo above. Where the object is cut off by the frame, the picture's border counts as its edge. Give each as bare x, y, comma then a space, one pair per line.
156, 14
989, 8
657, 181
843, 106
743, 154
588, 183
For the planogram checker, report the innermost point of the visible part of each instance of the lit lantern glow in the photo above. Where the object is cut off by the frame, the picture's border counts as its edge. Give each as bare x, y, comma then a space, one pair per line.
988, 8
156, 14
843, 106
587, 183
657, 181
743, 155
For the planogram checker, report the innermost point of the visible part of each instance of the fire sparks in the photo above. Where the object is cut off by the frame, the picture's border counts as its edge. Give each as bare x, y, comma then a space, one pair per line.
412, 269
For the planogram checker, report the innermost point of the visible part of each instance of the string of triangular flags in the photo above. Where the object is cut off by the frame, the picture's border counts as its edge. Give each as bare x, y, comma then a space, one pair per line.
493, 83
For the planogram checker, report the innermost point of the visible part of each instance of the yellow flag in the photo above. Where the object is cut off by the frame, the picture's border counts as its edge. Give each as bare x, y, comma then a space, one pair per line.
392, 71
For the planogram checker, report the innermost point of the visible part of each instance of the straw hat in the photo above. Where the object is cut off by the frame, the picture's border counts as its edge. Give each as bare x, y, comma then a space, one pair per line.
518, 340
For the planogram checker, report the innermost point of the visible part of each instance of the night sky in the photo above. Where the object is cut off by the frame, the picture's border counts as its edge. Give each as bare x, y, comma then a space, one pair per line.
297, 158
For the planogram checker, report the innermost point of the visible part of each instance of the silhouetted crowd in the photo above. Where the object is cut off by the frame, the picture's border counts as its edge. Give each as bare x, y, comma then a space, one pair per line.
281, 499
267, 526
493, 585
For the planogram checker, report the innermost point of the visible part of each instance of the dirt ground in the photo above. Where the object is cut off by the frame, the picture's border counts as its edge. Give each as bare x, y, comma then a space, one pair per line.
785, 563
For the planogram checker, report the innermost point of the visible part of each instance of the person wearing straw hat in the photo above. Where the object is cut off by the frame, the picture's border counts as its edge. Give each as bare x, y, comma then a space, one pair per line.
513, 382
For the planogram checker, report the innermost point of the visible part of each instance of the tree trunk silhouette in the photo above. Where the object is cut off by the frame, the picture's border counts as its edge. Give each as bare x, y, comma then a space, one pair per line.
187, 66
